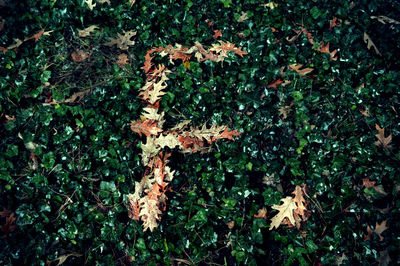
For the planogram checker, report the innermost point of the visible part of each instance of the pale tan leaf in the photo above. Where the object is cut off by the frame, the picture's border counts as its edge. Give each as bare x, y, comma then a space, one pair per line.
370, 43
285, 211
243, 17
63, 258
284, 111
149, 150
170, 141
181, 125
132, 2
385, 19
17, 43
87, 31
90, 4
152, 114
123, 41
149, 213
104, 1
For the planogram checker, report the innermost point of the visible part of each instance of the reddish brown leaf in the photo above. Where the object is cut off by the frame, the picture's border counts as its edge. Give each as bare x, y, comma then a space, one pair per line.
325, 49
2, 49
274, 84
217, 33
122, 60
146, 127
262, 213
333, 23
379, 228
147, 63
367, 183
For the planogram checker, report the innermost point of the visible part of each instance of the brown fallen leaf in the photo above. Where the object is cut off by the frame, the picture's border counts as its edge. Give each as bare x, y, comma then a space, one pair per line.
325, 49
217, 33
122, 60
285, 211
79, 56
64, 257
382, 141
274, 84
380, 228
39, 35
285, 110
334, 23
302, 72
262, 213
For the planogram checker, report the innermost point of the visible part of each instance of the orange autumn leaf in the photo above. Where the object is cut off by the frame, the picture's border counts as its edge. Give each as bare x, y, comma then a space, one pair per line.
325, 49
274, 84
147, 63
79, 56
367, 183
262, 213
217, 33
226, 134
38, 35
146, 127
382, 140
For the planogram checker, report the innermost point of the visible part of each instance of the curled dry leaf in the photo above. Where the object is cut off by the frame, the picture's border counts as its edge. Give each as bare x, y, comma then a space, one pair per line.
17, 44
79, 56
87, 31
74, 98
230, 224
370, 43
385, 19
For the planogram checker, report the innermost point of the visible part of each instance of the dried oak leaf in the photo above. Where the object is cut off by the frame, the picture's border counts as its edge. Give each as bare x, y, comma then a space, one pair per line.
104, 1
79, 56
123, 41
17, 43
87, 31
370, 43
285, 211
382, 141
274, 84
146, 127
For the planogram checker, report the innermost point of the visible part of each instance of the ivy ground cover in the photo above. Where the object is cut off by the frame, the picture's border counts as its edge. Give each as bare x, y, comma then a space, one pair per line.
199, 132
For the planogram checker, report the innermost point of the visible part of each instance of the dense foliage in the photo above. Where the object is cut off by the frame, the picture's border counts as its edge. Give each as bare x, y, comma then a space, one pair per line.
68, 157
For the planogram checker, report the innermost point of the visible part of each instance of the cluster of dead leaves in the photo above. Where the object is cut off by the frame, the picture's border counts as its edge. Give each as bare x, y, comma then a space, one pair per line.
149, 200
17, 42
292, 211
